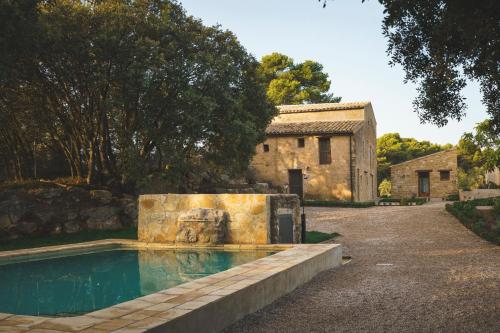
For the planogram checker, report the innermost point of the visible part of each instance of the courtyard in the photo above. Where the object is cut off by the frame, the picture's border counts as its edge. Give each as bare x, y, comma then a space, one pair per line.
413, 268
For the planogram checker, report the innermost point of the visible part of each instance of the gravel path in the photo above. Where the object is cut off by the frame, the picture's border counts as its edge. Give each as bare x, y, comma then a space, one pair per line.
414, 269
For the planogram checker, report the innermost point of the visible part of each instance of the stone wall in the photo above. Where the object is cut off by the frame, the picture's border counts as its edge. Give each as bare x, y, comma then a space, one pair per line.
53, 209
243, 218
479, 194
404, 176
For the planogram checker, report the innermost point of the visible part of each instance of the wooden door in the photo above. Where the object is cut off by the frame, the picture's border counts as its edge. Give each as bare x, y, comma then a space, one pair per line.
295, 182
423, 184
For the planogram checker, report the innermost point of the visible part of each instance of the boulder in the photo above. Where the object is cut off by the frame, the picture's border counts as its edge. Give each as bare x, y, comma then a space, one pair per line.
71, 227
202, 225
102, 196
103, 218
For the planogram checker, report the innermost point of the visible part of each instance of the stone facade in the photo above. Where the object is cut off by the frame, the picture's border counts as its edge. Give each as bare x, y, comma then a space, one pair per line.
216, 218
351, 128
478, 194
439, 168
493, 177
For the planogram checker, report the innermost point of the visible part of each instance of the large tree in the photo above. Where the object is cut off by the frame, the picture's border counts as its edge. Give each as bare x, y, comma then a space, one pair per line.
129, 89
441, 44
295, 83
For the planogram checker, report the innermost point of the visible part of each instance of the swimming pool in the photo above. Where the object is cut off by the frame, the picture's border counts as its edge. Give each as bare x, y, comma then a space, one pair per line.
77, 284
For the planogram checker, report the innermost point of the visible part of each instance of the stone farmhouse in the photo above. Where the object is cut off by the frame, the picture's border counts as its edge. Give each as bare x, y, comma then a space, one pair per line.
431, 176
321, 151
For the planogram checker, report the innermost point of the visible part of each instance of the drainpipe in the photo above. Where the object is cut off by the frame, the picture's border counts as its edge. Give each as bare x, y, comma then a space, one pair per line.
350, 168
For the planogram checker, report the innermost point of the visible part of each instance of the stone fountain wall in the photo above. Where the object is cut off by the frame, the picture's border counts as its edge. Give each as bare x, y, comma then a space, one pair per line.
215, 218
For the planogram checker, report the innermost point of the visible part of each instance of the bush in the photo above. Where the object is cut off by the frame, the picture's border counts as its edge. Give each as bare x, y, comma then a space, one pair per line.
350, 204
385, 188
453, 197
467, 214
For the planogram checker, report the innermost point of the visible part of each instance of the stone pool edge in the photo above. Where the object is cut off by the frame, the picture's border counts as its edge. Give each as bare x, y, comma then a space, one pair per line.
207, 304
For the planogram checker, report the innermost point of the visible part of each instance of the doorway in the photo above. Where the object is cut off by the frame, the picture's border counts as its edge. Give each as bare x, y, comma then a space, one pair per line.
423, 184
295, 182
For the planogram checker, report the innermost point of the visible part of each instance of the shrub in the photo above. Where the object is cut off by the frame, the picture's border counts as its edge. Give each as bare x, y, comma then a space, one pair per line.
385, 188
496, 207
350, 204
453, 197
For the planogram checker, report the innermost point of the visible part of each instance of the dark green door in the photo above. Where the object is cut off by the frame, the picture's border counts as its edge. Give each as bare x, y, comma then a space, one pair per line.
295, 182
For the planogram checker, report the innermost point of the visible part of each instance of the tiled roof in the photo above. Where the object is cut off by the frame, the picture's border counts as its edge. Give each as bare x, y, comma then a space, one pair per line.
425, 156
321, 107
314, 128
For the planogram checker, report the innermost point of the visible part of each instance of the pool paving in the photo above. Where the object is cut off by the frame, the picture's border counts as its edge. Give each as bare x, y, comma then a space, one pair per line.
413, 269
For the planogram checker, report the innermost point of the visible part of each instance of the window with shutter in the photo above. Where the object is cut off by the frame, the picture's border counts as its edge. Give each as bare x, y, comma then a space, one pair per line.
325, 153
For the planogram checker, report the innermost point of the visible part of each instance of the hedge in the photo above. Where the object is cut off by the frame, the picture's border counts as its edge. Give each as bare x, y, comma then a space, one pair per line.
349, 204
469, 216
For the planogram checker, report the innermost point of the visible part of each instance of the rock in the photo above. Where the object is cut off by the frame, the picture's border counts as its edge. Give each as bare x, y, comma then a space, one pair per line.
51, 193
45, 216
202, 225
103, 218
261, 187
129, 207
5, 221
112, 223
27, 227
71, 227
102, 196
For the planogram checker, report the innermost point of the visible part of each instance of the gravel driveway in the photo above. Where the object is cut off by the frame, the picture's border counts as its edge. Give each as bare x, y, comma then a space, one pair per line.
413, 269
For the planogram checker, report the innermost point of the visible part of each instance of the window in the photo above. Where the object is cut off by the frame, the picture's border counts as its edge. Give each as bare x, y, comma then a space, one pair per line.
301, 143
325, 154
266, 148
444, 175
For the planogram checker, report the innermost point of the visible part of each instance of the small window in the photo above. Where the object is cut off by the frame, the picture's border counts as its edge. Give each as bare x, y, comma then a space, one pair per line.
266, 148
444, 175
301, 143
325, 153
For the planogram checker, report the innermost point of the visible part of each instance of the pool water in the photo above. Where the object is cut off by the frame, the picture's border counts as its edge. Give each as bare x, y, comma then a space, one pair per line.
79, 284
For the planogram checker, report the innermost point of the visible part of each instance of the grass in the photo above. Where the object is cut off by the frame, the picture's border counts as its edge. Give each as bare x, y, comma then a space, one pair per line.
468, 215
314, 237
349, 204
84, 236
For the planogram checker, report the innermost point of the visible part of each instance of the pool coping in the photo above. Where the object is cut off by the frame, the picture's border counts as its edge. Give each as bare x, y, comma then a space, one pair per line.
207, 304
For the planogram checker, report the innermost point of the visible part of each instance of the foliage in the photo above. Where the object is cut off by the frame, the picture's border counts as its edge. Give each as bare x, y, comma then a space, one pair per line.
83, 236
314, 237
480, 149
453, 197
291, 83
393, 149
470, 179
385, 188
122, 90
496, 207
405, 201
442, 44
348, 204
466, 212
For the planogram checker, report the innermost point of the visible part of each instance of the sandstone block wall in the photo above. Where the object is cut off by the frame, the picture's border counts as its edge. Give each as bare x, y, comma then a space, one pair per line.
251, 218
479, 194
404, 176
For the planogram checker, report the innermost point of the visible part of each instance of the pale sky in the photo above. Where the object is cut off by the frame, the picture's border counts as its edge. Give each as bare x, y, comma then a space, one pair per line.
346, 37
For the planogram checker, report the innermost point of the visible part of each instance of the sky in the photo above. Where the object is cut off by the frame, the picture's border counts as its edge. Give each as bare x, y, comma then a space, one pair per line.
346, 37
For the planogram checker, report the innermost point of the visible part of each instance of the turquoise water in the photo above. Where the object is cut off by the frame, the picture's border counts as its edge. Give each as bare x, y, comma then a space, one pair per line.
84, 283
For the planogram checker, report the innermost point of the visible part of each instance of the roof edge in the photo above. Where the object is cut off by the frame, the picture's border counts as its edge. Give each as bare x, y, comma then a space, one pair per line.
421, 157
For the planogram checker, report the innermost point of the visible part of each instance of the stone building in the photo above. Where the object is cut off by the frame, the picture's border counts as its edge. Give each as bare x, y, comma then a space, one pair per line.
493, 177
433, 176
321, 151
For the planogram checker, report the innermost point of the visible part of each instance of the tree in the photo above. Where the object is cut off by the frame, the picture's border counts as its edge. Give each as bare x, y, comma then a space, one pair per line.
127, 89
480, 149
440, 45
393, 149
290, 83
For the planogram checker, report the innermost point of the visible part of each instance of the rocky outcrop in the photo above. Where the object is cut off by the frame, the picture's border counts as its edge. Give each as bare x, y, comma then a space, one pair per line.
202, 225
53, 209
